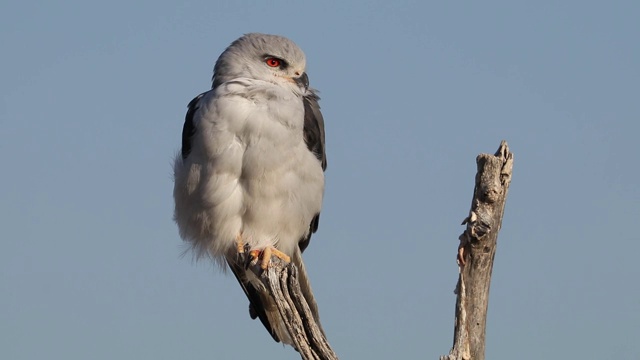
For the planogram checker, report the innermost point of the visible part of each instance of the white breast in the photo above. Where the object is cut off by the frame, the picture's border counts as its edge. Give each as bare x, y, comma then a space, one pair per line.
249, 171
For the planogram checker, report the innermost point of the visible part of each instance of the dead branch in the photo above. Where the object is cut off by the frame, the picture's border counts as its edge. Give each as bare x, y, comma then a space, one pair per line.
281, 280
476, 252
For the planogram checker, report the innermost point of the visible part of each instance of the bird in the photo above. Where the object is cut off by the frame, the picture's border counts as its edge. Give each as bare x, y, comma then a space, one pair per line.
249, 179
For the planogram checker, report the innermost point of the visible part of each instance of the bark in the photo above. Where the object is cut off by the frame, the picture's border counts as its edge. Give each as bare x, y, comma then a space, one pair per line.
476, 252
281, 280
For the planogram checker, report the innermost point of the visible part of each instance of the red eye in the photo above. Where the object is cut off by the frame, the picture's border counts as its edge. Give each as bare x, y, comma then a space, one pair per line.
273, 62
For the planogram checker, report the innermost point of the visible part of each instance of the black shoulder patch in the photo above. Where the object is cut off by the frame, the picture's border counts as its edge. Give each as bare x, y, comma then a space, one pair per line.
189, 128
313, 130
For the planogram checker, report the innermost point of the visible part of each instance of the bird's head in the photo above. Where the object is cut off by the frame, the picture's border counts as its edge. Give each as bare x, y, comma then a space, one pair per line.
270, 58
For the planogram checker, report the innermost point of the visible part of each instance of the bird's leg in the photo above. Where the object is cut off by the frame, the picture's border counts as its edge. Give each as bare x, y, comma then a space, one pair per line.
241, 247
265, 255
240, 244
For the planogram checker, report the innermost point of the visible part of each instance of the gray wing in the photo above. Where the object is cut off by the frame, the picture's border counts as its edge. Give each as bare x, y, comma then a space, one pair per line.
313, 132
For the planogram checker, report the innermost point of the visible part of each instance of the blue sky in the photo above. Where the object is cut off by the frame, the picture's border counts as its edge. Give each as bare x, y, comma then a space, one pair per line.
92, 100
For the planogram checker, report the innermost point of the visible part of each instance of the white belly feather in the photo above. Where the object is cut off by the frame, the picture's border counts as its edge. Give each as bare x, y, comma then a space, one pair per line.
249, 172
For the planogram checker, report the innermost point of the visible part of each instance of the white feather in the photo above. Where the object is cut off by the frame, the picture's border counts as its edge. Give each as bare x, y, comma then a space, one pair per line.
249, 171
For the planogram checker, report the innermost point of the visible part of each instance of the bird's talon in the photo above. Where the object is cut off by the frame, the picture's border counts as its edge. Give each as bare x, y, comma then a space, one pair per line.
254, 255
264, 256
241, 248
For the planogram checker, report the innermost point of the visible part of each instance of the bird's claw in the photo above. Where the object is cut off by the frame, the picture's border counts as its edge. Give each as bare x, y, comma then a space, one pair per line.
242, 249
264, 257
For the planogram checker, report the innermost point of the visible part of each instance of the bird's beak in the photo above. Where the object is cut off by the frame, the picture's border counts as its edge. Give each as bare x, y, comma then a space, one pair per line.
302, 81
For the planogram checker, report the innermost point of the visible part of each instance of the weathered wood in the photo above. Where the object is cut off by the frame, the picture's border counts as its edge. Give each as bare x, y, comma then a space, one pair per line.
281, 280
476, 252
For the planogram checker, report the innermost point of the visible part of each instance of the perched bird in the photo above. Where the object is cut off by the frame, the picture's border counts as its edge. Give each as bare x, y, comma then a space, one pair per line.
249, 180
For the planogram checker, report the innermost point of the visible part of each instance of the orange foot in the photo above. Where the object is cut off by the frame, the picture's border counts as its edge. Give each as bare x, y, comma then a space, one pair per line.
240, 246
265, 255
